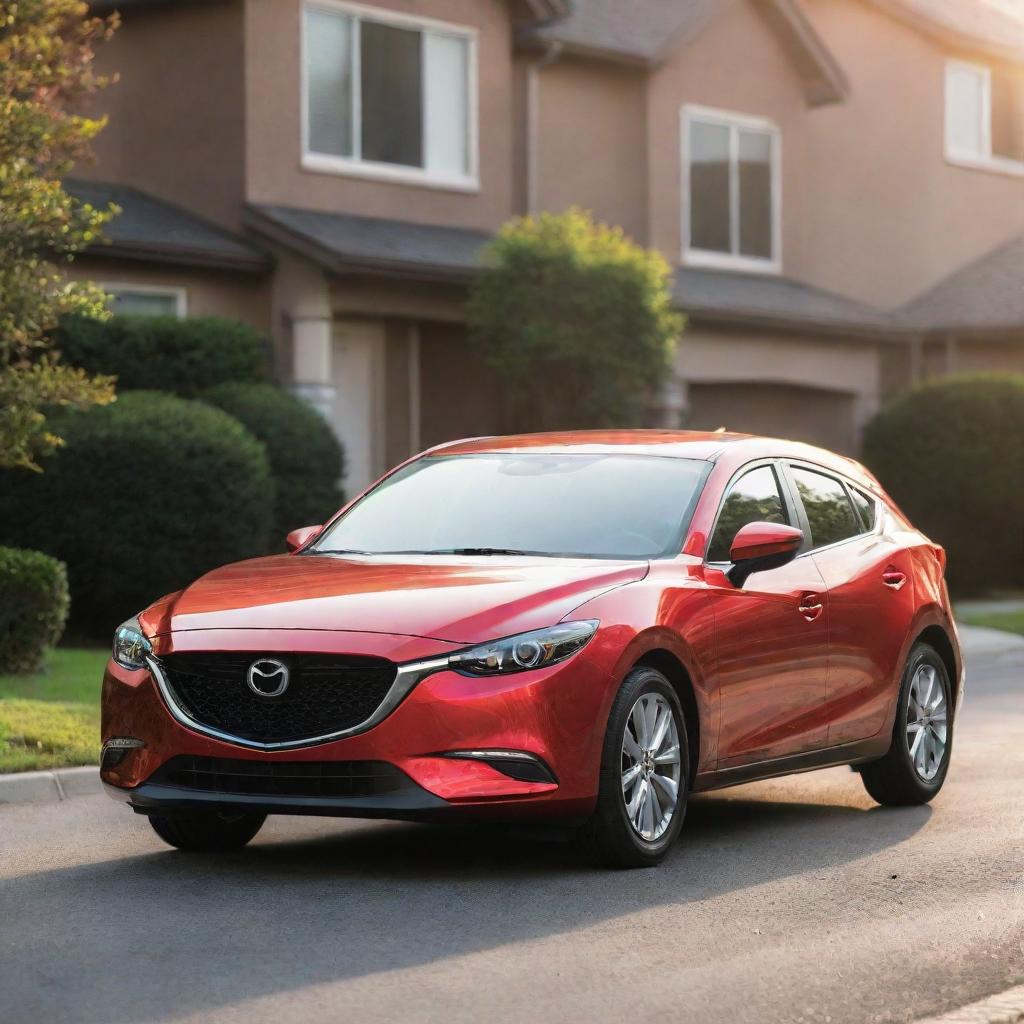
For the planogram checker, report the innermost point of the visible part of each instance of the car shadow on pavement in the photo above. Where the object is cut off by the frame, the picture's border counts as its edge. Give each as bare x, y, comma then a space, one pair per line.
165, 934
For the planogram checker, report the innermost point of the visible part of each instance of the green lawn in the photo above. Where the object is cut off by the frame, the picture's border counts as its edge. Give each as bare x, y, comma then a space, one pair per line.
1011, 622
52, 719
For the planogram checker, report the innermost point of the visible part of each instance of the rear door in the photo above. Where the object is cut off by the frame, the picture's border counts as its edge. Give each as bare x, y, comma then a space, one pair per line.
871, 598
771, 636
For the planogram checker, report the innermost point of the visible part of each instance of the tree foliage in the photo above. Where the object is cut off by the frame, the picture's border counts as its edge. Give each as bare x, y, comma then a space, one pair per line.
577, 320
46, 54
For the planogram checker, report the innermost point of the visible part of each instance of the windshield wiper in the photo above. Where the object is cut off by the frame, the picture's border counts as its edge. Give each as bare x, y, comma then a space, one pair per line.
483, 551
339, 551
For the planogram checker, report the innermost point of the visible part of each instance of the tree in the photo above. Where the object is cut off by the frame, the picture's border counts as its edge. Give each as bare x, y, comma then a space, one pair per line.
576, 319
46, 54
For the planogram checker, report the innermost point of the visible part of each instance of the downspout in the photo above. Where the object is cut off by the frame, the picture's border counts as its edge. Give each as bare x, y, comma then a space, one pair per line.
552, 51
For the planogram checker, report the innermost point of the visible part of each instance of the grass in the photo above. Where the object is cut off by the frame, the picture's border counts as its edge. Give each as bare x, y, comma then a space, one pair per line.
52, 719
1010, 622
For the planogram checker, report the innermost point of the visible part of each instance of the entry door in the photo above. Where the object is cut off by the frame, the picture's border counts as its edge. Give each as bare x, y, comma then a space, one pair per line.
771, 637
358, 376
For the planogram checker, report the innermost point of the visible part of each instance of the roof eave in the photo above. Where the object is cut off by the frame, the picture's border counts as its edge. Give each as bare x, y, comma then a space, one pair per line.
189, 256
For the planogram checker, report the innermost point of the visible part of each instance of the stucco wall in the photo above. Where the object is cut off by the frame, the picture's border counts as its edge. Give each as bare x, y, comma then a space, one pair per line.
176, 125
273, 121
887, 216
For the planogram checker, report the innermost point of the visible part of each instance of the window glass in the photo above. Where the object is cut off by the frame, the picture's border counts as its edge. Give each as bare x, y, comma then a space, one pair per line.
754, 498
755, 194
594, 506
447, 106
125, 302
966, 87
329, 82
829, 513
392, 98
866, 507
709, 187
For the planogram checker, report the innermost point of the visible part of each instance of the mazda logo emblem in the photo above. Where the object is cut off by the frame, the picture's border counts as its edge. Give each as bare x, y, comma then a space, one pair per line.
268, 677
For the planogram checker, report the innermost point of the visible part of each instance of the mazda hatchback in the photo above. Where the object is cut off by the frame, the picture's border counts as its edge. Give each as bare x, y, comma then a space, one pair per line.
579, 629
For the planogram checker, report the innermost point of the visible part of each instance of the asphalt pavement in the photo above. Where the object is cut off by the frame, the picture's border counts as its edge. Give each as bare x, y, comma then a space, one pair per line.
797, 900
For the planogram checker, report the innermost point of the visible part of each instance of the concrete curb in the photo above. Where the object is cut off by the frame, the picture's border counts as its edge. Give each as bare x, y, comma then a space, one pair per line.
1004, 1008
49, 787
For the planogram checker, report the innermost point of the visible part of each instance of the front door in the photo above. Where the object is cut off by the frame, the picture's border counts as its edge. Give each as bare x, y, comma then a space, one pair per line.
771, 636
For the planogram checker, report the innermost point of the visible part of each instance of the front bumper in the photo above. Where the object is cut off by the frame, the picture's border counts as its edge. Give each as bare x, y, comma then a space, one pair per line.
556, 715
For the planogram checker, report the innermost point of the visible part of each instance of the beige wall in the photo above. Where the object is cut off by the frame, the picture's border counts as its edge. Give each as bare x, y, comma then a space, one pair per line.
273, 120
592, 141
736, 64
887, 216
243, 297
176, 126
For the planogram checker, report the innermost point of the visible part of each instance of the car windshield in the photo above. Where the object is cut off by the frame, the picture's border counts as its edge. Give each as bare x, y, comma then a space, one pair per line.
576, 505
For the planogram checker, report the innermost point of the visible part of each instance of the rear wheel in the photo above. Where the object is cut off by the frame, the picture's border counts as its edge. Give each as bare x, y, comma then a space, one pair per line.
207, 830
914, 769
644, 779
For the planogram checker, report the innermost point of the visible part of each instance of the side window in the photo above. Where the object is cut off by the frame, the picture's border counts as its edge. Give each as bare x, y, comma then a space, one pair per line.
829, 513
866, 508
754, 498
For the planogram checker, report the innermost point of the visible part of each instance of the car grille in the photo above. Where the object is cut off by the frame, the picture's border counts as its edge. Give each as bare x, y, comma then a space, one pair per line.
325, 694
280, 778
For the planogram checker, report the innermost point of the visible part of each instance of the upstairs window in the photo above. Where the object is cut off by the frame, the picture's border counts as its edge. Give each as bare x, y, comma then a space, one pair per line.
984, 117
388, 97
731, 191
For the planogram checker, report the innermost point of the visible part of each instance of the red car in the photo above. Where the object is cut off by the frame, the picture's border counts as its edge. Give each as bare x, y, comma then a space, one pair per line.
579, 628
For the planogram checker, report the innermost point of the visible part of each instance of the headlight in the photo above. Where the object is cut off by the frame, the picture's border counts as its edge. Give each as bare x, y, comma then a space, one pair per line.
130, 646
537, 649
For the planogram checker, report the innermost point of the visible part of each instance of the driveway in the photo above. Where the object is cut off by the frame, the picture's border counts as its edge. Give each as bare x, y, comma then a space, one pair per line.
796, 900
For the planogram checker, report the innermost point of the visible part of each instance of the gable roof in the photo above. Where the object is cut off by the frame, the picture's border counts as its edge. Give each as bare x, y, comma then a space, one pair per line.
151, 229
993, 27
985, 295
645, 32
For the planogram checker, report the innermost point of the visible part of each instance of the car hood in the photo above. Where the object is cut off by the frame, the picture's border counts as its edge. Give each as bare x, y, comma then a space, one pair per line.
455, 599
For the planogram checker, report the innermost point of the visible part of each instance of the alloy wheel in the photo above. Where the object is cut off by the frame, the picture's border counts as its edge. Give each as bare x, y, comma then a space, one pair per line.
651, 766
926, 722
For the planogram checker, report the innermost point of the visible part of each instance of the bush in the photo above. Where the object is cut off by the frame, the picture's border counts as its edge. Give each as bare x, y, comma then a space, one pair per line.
576, 319
146, 495
305, 456
951, 454
162, 353
33, 607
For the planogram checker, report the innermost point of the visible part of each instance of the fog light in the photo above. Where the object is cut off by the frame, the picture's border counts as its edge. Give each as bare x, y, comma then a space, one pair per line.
116, 749
516, 764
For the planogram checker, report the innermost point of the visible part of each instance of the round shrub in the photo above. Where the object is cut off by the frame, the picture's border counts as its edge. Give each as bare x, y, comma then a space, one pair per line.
33, 607
146, 495
163, 353
305, 456
951, 454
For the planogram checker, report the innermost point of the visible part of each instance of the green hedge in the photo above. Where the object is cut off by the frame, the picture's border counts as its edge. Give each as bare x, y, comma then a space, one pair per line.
146, 495
951, 453
165, 354
305, 456
33, 608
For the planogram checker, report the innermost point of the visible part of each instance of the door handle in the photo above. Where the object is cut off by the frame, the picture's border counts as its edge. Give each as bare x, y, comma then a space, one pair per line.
893, 578
810, 606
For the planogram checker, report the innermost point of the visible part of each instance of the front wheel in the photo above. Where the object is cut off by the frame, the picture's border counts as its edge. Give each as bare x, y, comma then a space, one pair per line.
914, 769
644, 780
207, 830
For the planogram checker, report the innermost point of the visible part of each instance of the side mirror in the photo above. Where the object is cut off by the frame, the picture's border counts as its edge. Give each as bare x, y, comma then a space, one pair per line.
301, 537
760, 546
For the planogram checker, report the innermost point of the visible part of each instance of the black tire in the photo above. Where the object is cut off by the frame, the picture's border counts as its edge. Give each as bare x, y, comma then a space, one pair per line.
894, 780
207, 830
609, 836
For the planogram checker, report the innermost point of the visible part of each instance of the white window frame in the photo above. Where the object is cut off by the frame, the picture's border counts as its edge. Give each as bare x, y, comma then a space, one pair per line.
326, 163
692, 257
179, 293
985, 160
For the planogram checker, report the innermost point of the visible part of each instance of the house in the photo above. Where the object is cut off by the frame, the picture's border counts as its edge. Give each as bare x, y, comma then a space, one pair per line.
838, 183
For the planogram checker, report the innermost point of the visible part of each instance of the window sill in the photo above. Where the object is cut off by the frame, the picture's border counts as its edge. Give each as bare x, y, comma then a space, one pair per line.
991, 164
704, 259
323, 164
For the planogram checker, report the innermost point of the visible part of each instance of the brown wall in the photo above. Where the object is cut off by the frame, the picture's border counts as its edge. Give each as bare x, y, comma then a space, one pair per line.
176, 125
273, 116
243, 297
592, 135
887, 216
